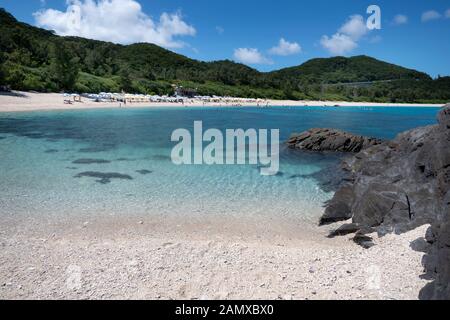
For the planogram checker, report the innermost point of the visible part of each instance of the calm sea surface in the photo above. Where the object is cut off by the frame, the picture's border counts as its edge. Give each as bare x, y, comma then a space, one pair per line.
118, 161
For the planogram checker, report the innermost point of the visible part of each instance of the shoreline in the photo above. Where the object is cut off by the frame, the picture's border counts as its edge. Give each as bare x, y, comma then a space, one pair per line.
27, 101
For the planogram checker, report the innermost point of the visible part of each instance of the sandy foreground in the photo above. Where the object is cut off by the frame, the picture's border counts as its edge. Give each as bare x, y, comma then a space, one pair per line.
112, 258
26, 101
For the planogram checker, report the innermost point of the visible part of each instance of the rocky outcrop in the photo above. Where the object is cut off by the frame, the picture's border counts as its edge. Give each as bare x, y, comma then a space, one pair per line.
330, 140
437, 261
397, 186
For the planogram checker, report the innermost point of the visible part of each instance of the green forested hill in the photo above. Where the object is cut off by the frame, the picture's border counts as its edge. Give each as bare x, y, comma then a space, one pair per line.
355, 69
36, 59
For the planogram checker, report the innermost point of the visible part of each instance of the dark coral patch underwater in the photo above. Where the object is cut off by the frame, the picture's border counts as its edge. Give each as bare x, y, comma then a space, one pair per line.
104, 178
90, 161
125, 159
144, 172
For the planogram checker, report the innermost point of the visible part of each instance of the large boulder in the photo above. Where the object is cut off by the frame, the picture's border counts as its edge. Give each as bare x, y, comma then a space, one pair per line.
330, 140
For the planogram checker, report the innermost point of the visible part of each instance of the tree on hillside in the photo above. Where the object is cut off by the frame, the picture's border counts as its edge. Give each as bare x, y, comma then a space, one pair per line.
65, 67
15, 78
125, 81
2, 68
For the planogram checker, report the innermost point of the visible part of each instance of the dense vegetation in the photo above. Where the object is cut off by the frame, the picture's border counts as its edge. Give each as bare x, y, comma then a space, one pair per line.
37, 59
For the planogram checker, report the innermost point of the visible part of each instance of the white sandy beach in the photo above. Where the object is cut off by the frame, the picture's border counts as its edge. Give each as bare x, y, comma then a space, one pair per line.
28, 101
115, 259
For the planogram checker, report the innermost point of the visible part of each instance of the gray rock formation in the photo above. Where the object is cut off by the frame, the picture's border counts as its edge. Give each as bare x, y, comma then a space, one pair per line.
395, 187
330, 140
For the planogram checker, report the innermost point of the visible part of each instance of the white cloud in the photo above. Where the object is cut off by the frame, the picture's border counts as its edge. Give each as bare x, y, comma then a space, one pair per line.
400, 19
286, 48
355, 27
119, 21
347, 37
250, 56
447, 13
339, 44
430, 15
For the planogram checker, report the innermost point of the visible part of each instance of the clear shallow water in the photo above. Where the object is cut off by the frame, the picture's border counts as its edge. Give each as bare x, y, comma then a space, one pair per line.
38, 176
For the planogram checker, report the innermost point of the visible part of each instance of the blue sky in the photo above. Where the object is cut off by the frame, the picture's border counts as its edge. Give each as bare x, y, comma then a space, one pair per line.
413, 33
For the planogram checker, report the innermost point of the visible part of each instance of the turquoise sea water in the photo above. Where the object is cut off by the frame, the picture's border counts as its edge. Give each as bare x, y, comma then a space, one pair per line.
42, 155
